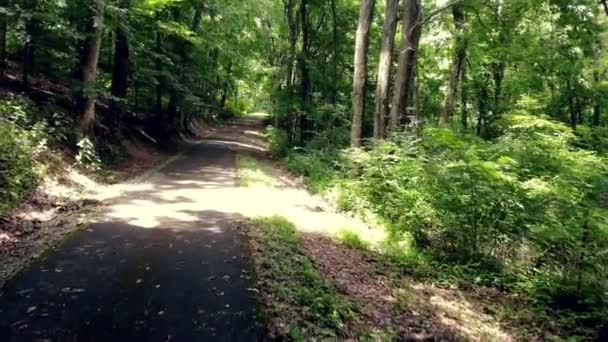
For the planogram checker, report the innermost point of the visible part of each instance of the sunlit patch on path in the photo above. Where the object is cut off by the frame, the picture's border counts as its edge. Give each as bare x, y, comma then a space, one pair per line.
164, 262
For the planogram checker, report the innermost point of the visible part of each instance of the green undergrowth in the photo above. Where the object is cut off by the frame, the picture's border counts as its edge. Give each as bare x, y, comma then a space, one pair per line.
38, 140
253, 172
524, 212
301, 305
26, 147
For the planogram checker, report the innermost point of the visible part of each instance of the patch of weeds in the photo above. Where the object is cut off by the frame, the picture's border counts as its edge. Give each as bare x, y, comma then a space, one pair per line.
300, 304
321, 169
353, 239
253, 172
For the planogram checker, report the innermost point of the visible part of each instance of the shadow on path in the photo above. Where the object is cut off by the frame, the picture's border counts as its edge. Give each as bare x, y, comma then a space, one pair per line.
164, 263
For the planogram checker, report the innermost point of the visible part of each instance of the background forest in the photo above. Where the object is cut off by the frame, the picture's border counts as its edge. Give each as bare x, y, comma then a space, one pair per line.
475, 131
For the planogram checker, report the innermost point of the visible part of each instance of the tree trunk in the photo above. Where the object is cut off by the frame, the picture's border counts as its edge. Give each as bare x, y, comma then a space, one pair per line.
290, 16
403, 110
196, 19
226, 86
366, 14
597, 110
159, 79
384, 68
334, 87
305, 85
571, 105
483, 110
26, 63
605, 6
457, 65
293, 37
88, 67
464, 97
120, 73
31, 27
3, 32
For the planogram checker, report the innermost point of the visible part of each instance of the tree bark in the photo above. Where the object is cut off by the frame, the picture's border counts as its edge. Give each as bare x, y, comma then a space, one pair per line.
366, 14
159, 79
120, 72
334, 87
464, 97
3, 33
88, 67
226, 86
384, 68
31, 27
403, 110
305, 85
597, 51
196, 19
27, 61
605, 3
293, 37
457, 65
290, 16
571, 104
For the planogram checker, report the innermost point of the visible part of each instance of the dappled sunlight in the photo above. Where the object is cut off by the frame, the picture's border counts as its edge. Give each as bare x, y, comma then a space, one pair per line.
459, 313
197, 192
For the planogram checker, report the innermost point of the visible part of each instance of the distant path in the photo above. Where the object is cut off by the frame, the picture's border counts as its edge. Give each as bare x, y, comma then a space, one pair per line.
165, 263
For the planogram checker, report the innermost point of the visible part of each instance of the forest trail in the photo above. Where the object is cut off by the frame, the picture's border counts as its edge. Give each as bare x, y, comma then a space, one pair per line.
165, 261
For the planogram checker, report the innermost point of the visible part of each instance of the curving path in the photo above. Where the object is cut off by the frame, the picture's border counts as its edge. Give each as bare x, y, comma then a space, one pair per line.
164, 263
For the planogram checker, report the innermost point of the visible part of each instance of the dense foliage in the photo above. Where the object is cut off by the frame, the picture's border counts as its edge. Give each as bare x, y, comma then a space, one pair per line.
512, 185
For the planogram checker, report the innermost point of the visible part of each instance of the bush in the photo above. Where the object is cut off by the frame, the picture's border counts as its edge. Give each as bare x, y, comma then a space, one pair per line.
529, 205
322, 169
278, 142
25, 132
17, 175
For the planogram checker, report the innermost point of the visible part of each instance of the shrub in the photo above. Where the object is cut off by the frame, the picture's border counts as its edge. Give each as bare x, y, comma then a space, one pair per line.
322, 169
528, 202
17, 175
25, 132
278, 142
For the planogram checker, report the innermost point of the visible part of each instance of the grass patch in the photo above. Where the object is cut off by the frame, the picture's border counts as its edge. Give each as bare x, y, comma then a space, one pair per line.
252, 172
300, 305
353, 239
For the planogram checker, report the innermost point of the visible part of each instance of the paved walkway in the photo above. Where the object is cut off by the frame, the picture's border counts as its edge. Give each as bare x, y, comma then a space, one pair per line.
164, 263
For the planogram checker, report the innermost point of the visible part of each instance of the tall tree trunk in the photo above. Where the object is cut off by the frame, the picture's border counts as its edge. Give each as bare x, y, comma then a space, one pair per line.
464, 97
305, 85
3, 33
457, 65
498, 75
571, 104
403, 109
226, 86
366, 14
384, 68
27, 62
120, 72
88, 67
196, 19
597, 110
290, 16
293, 38
334, 87
482, 98
159, 79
